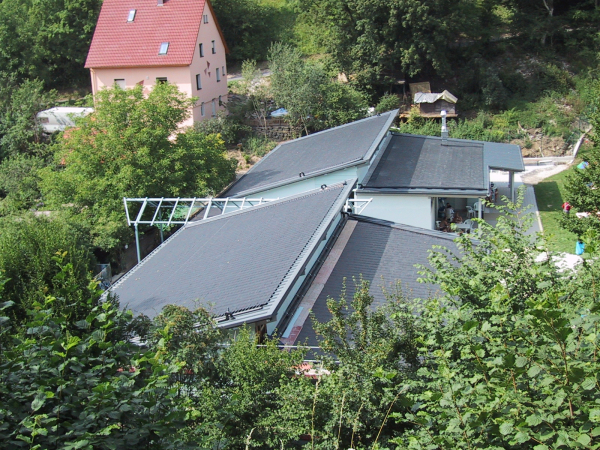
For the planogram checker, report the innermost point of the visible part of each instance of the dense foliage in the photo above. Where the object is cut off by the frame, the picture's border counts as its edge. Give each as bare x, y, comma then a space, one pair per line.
29, 249
313, 101
80, 383
250, 26
47, 40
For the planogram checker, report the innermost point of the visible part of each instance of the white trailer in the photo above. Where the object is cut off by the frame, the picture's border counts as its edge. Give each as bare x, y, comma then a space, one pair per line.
60, 117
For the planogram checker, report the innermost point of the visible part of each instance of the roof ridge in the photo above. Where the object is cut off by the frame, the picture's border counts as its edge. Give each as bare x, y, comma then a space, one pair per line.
313, 241
276, 202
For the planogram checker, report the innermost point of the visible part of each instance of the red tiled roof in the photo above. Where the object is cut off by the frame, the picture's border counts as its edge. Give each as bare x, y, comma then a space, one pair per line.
118, 43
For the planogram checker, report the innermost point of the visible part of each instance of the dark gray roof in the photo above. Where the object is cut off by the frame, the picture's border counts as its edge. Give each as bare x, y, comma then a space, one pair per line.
420, 162
238, 261
315, 154
382, 253
503, 156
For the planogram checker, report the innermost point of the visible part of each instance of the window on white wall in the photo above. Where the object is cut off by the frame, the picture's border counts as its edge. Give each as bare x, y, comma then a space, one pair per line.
223, 70
214, 47
131, 16
220, 100
205, 18
164, 48
120, 82
161, 80
201, 48
202, 109
198, 82
214, 108
218, 75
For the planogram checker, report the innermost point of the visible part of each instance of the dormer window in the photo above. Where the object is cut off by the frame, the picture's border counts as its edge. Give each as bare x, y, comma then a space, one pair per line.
164, 48
131, 15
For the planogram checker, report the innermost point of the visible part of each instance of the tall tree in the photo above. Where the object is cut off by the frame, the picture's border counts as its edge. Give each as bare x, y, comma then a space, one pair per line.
129, 147
371, 39
47, 39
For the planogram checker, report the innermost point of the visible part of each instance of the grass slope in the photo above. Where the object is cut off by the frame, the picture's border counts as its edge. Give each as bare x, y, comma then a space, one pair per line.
550, 195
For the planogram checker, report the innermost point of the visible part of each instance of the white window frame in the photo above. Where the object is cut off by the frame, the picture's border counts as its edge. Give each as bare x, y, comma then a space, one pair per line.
164, 48
198, 82
201, 50
205, 18
131, 16
214, 48
120, 82
218, 75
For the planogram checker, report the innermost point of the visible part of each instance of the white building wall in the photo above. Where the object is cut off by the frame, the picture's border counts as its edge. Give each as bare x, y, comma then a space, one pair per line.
272, 326
307, 184
412, 210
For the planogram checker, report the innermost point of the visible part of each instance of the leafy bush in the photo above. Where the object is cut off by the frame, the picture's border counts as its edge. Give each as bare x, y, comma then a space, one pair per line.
258, 145
29, 248
83, 384
19, 183
510, 350
227, 127
19, 104
340, 103
387, 103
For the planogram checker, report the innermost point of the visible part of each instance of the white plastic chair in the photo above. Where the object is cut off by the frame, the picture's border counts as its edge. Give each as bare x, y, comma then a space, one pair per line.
470, 212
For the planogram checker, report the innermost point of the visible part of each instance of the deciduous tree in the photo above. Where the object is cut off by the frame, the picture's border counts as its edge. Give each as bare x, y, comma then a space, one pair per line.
130, 147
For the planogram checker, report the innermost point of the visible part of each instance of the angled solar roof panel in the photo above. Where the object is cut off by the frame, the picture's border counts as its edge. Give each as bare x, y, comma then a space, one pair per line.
324, 152
242, 263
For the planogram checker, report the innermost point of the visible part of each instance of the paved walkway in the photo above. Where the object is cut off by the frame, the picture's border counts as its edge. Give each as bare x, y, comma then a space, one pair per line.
500, 180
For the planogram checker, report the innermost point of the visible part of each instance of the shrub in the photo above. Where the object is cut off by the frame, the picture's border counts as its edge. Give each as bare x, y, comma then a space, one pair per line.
258, 145
229, 128
387, 103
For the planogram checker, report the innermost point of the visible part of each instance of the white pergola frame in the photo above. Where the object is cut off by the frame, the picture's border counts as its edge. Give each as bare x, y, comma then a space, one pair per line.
194, 206
357, 205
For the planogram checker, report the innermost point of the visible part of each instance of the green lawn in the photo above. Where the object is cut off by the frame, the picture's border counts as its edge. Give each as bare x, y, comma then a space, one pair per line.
549, 196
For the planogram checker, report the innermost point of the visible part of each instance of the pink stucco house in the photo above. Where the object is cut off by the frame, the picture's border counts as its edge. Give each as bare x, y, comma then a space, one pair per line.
144, 42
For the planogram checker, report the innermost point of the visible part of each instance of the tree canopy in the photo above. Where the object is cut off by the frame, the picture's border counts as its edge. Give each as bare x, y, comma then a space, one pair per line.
47, 40
129, 148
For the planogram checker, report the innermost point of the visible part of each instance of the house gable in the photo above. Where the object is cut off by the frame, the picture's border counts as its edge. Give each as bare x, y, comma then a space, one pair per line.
119, 42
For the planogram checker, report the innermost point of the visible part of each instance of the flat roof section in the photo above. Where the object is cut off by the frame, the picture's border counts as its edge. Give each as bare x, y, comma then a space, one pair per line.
314, 154
421, 162
236, 262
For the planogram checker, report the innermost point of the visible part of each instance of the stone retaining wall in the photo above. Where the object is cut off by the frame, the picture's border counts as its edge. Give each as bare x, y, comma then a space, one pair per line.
276, 129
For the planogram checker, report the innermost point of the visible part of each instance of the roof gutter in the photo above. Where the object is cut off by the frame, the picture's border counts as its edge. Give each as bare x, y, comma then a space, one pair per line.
421, 191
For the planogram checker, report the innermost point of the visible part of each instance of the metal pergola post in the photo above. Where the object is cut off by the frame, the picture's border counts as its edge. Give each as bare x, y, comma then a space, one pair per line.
137, 242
